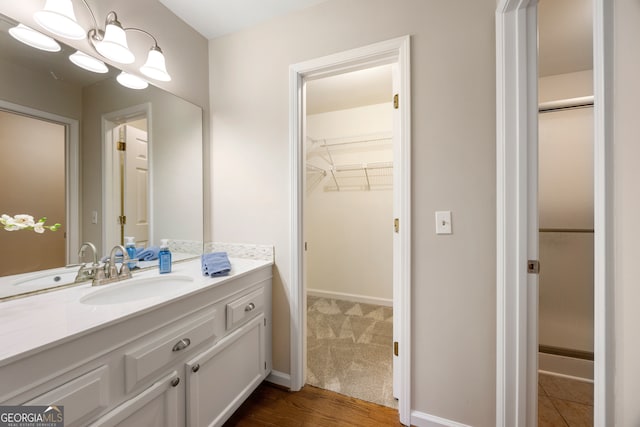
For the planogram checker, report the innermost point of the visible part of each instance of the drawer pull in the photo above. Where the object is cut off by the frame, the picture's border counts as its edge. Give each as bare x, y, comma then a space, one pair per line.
250, 307
195, 368
175, 381
182, 344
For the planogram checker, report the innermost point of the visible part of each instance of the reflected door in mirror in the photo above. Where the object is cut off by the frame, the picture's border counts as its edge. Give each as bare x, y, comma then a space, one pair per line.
32, 177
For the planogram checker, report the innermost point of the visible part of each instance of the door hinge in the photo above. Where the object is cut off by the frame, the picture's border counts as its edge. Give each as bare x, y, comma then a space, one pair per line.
122, 146
396, 101
395, 348
305, 246
265, 321
396, 224
533, 266
122, 220
265, 366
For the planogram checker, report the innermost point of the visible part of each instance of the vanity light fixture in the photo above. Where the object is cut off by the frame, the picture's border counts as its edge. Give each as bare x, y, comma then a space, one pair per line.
131, 81
88, 62
59, 18
34, 38
112, 44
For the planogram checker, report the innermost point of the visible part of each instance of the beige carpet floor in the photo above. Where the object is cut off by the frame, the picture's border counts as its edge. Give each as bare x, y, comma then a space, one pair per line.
349, 349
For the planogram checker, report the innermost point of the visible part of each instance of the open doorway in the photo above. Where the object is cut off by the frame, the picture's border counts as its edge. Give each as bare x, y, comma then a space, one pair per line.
566, 213
348, 228
397, 53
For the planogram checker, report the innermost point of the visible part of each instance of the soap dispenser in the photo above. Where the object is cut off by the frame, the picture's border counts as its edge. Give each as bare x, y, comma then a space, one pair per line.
164, 257
130, 247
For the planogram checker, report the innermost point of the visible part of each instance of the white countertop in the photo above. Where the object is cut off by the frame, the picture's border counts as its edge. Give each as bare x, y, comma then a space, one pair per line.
39, 321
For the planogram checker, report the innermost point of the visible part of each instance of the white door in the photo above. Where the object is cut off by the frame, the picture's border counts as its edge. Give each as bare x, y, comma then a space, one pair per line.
136, 199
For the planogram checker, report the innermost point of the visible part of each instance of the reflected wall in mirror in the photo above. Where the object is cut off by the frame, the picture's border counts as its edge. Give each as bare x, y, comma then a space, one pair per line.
95, 113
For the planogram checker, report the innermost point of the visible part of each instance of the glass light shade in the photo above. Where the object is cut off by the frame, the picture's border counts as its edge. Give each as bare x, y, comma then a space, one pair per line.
34, 38
59, 18
88, 62
114, 45
131, 81
155, 67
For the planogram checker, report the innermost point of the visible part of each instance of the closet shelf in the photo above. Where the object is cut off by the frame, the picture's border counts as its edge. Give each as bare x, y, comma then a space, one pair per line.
365, 176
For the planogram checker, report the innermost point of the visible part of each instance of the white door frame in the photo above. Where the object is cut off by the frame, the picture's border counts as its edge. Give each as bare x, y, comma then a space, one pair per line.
516, 112
72, 172
395, 50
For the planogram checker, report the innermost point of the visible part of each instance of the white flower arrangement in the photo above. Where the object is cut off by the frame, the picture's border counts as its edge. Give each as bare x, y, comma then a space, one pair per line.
26, 222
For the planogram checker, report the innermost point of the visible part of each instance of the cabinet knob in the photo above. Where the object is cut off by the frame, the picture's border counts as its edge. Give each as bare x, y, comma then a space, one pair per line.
195, 368
175, 381
250, 307
182, 344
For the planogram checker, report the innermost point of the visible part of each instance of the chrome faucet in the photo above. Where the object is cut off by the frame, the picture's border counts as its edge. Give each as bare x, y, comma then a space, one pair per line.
110, 272
87, 272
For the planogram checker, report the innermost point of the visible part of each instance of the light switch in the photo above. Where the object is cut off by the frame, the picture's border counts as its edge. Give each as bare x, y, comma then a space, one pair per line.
443, 222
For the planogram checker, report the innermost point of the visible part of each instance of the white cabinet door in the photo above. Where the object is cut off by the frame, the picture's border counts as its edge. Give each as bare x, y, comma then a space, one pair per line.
157, 406
221, 378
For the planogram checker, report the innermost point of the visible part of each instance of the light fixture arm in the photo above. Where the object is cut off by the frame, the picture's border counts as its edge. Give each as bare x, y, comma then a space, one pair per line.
93, 16
155, 42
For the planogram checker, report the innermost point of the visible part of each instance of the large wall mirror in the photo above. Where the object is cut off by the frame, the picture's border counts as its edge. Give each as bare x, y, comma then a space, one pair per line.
103, 160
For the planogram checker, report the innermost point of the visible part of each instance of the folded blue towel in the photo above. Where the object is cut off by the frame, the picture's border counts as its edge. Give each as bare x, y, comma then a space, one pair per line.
215, 264
147, 254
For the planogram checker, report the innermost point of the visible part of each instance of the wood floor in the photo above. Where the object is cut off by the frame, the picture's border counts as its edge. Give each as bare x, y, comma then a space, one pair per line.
273, 406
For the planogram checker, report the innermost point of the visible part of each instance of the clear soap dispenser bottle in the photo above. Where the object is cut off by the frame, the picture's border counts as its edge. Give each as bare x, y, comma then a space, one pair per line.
130, 246
164, 257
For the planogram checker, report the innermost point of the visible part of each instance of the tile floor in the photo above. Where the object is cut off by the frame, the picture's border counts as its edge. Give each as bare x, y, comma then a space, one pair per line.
564, 402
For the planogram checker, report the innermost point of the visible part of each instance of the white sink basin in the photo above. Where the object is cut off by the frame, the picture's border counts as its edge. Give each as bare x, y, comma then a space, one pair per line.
137, 289
48, 279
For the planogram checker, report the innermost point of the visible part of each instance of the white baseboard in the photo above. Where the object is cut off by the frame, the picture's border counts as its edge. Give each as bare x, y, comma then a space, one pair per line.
350, 297
420, 419
280, 378
565, 366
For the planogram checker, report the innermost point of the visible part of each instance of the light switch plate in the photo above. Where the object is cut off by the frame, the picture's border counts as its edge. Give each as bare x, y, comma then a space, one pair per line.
443, 222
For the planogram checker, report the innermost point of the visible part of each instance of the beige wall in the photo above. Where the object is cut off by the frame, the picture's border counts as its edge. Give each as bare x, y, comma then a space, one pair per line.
626, 151
453, 131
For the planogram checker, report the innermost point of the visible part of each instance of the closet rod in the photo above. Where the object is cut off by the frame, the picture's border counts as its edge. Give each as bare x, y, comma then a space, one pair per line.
566, 104
566, 230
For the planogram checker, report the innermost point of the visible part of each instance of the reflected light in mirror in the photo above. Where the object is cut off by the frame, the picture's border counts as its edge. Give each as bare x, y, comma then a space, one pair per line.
34, 38
59, 18
131, 81
88, 62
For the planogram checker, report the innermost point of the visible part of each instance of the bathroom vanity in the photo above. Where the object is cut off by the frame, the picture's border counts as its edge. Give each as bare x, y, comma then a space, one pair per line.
177, 349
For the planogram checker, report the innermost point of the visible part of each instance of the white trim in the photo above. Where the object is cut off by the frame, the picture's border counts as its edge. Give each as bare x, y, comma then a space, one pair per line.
72, 143
364, 299
603, 214
279, 378
515, 78
108, 122
420, 419
516, 99
565, 366
395, 50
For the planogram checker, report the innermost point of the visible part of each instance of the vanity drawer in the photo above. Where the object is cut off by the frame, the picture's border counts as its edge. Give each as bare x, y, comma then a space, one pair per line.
81, 397
244, 308
160, 350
